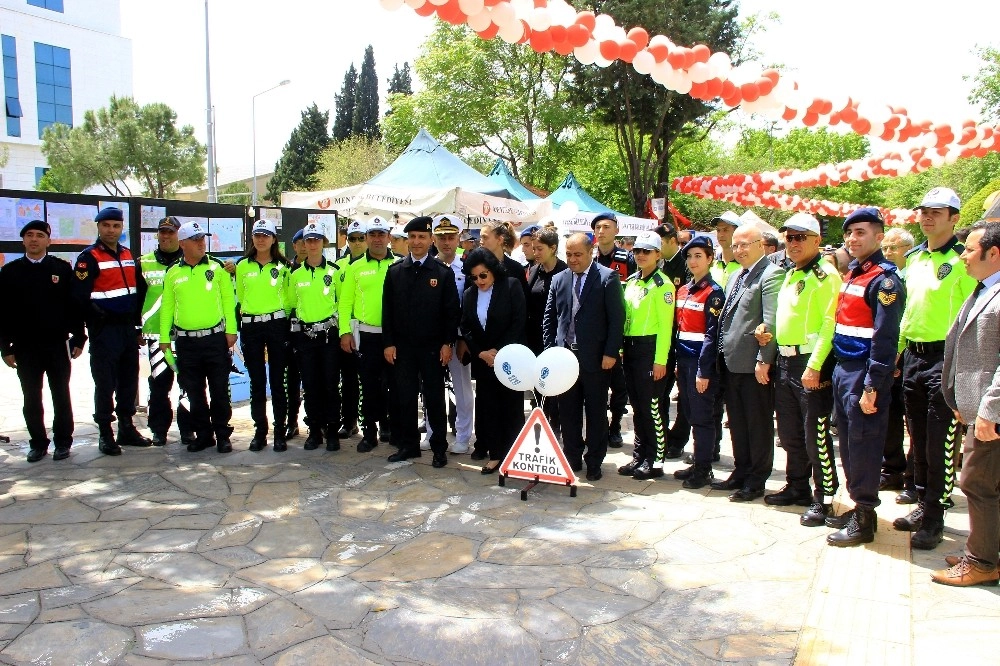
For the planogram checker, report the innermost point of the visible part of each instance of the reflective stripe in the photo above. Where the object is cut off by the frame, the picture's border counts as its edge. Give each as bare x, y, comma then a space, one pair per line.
855, 331
853, 289
114, 293
146, 316
104, 265
367, 328
153, 275
690, 337
687, 304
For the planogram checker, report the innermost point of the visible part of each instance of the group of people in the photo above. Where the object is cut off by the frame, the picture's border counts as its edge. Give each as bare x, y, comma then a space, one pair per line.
788, 338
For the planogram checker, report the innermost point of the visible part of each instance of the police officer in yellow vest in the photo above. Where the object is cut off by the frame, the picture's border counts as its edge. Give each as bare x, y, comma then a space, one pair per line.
200, 306
350, 382
936, 287
313, 291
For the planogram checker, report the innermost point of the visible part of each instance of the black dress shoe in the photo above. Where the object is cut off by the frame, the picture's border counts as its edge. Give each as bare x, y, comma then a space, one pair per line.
615, 440
815, 515
890, 482
685, 473
594, 474
479, 455
404, 454
159, 439
912, 521
440, 460
61, 453
788, 496
106, 444
224, 446
628, 469
34, 455
313, 441
700, 477
385, 434
188, 438
258, 443
347, 431
908, 496
200, 445
746, 494
646, 471
292, 431
731, 483
129, 436
332, 444
367, 444
490, 470
280, 444
674, 452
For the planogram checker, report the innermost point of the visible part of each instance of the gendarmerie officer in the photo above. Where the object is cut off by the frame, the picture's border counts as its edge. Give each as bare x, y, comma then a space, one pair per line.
264, 312
200, 307
864, 343
40, 316
153, 269
350, 379
108, 290
420, 315
313, 290
293, 377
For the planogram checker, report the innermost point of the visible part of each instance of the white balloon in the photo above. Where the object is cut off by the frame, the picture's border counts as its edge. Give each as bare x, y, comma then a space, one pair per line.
523, 8
471, 7
557, 369
587, 53
502, 14
699, 73
415, 4
480, 21
661, 72
644, 62
600, 61
391, 5
438, 2
540, 19
569, 210
720, 64
512, 32
604, 27
514, 366
683, 83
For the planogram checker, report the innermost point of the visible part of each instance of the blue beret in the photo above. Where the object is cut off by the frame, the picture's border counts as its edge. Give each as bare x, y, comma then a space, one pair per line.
866, 214
297, 236
527, 231
606, 215
110, 213
422, 223
704, 242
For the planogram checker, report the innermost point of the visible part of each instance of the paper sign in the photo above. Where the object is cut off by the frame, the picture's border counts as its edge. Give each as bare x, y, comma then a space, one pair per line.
536, 453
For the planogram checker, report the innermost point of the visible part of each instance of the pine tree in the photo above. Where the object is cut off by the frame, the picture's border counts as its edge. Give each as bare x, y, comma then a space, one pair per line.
400, 81
296, 169
366, 100
345, 105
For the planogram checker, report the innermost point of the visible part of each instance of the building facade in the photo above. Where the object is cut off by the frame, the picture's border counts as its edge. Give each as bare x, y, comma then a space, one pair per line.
60, 59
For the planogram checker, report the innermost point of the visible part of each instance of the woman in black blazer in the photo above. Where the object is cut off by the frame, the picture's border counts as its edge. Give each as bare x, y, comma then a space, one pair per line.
493, 315
545, 242
499, 239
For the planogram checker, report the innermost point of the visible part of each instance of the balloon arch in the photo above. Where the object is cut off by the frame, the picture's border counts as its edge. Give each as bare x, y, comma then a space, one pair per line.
554, 25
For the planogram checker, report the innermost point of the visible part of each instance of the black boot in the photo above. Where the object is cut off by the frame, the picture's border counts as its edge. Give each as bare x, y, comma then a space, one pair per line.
368, 442
259, 441
106, 441
860, 528
332, 440
912, 521
279, 440
815, 515
931, 530
701, 476
629, 468
314, 440
615, 440
129, 436
837, 522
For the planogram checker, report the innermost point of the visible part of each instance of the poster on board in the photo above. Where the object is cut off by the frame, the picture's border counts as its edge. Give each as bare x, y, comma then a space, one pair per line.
150, 216
72, 224
226, 234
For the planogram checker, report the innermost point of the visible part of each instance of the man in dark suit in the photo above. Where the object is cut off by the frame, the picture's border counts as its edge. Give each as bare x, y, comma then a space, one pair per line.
971, 386
585, 313
751, 300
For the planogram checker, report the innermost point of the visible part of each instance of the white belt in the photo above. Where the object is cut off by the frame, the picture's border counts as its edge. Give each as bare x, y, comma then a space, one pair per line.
320, 326
202, 333
366, 328
690, 337
856, 331
795, 350
256, 319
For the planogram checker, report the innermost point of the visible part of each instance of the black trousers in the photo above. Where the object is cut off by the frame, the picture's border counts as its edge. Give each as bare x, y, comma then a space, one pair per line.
698, 409
499, 412
265, 354
350, 389
293, 382
114, 363
588, 395
646, 397
416, 368
861, 435
933, 430
618, 400
893, 456
160, 412
377, 385
320, 359
803, 418
33, 365
205, 362
750, 406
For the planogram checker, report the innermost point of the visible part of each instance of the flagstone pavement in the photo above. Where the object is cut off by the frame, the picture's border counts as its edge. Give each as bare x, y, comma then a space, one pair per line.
161, 556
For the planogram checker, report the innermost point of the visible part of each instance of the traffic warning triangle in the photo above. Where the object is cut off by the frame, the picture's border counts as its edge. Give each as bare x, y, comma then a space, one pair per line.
536, 453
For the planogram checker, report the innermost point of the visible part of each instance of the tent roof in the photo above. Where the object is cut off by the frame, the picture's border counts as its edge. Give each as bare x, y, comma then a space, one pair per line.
501, 175
427, 164
571, 190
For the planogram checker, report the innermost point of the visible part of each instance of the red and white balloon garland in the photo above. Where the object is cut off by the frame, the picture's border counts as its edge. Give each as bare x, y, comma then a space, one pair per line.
554, 25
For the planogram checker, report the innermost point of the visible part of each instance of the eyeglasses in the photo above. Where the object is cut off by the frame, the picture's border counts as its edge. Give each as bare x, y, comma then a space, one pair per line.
796, 238
356, 239
891, 248
745, 246
642, 250
480, 276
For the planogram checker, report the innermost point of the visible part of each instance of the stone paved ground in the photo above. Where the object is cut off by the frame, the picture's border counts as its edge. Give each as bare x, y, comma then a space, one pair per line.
160, 556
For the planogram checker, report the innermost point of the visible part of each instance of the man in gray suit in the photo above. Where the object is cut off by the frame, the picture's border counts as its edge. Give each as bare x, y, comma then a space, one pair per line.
751, 300
971, 379
585, 313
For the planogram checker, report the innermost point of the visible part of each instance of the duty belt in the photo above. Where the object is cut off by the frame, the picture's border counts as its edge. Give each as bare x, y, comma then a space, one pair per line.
203, 332
367, 328
925, 347
320, 326
257, 319
795, 350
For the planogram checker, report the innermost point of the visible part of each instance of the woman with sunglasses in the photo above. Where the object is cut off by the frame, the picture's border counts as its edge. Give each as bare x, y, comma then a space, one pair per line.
493, 316
545, 243
649, 324
498, 238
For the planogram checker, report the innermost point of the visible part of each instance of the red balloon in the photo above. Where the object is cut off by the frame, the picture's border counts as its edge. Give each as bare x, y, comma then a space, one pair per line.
490, 32
834, 119
888, 134
627, 50
789, 114
771, 74
563, 48
527, 32
699, 91
714, 87
849, 114
750, 92
541, 42
701, 53
810, 119
610, 50
689, 58
728, 89
558, 33
733, 100
861, 126
425, 9
639, 36
659, 52
587, 19
490, 3
765, 86
676, 58
577, 35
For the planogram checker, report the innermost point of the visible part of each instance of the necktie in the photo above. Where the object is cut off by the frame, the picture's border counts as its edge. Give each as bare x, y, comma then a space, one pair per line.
577, 288
729, 304
978, 290
963, 316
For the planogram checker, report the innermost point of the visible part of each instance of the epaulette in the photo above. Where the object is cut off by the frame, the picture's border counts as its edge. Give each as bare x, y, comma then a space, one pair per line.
658, 279
819, 272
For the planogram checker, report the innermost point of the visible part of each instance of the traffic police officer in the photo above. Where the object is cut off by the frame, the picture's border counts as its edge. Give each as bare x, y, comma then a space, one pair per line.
649, 329
109, 292
350, 383
420, 316
864, 342
40, 316
803, 400
936, 287
699, 304
360, 324
725, 225
153, 269
264, 309
293, 377
200, 307
313, 291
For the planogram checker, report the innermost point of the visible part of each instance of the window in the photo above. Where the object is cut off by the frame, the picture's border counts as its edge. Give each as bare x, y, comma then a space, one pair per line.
54, 5
53, 82
39, 172
12, 100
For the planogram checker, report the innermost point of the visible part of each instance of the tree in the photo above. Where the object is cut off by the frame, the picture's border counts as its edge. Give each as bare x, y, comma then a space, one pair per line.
365, 122
986, 92
345, 105
496, 99
646, 116
351, 161
236, 193
400, 82
299, 161
125, 141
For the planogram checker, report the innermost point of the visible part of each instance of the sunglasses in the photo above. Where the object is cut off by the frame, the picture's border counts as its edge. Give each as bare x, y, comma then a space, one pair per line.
796, 238
480, 276
641, 250
356, 239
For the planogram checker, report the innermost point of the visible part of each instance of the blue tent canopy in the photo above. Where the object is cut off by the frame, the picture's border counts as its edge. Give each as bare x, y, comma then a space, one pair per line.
502, 176
427, 164
571, 190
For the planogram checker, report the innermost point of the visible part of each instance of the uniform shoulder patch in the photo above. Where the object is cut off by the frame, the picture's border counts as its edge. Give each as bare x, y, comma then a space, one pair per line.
819, 272
886, 298
668, 297
944, 270
887, 283
800, 286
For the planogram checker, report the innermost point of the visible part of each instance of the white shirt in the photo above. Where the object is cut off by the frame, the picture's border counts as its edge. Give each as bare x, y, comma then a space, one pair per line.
483, 305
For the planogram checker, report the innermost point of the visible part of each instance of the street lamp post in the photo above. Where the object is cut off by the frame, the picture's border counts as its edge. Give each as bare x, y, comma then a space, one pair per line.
253, 112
